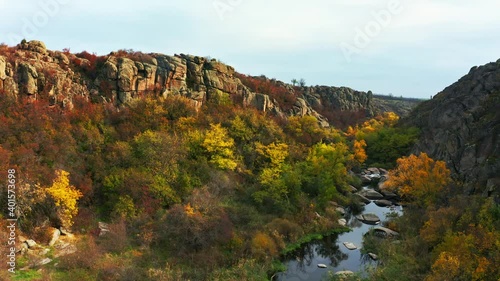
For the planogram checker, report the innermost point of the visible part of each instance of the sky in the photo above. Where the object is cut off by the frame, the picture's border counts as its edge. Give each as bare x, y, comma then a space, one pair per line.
400, 47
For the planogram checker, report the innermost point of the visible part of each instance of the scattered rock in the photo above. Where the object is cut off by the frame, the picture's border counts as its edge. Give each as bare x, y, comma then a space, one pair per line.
342, 222
388, 194
362, 198
344, 272
320, 265
65, 249
385, 231
43, 262
373, 171
55, 236
22, 238
31, 243
383, 172
383, 203
23, 248
103, 228
340, 210
350, 246
373, 256
368, 218
366, 179
44, 252
353, 189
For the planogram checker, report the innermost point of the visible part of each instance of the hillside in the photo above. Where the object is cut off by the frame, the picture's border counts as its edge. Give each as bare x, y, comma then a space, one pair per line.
31, 71
461, 125
136, 166
400, 105
139, 166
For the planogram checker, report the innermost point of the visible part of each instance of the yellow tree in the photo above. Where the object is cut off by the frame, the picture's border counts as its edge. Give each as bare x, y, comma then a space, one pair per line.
418, 178
273, 184
220, 147
65, 197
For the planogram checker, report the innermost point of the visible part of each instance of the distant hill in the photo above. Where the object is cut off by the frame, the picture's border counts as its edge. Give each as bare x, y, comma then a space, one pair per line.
400, 105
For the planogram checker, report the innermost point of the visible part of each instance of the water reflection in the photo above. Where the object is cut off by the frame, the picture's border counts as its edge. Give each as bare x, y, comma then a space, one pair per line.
303, 264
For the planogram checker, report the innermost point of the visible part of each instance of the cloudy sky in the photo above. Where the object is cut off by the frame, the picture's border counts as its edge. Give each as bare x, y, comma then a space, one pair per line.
400, 47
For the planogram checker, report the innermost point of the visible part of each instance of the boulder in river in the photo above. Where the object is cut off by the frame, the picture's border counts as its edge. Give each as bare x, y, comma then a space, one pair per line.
350, 245
342, 222
383, 203
388, 194
322, 265
366, 179
385, 231
344, 273
371, 194
362, 198
368, 218
340, 210
373, 171
373, 256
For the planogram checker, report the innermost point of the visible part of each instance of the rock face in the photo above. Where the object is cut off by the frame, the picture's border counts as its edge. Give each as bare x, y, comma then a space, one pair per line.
461, 125
32, 71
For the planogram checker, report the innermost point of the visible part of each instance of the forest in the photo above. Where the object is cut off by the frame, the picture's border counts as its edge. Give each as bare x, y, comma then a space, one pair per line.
221, 192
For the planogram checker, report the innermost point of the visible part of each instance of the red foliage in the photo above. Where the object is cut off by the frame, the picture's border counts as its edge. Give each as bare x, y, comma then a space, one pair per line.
285, 98
94, 62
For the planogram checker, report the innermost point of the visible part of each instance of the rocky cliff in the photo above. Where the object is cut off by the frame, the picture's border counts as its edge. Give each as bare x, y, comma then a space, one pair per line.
461, 125
31, 71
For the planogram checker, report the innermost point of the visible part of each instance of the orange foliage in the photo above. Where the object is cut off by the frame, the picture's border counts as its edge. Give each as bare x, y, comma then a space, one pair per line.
359, 151
419, 178
263, 246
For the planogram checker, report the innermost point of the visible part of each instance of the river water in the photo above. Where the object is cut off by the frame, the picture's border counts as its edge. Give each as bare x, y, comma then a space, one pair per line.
303, 264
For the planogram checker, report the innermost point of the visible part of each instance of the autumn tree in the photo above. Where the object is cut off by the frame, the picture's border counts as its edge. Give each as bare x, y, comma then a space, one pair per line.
359, 151
220, 147
419, 178
275, 185
324, 171
65, 198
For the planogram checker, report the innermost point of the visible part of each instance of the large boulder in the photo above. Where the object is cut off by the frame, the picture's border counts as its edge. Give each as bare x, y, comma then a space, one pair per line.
371, 194
384, 231
350, 246
383, 203
28, 82
362, 198
368, 218
56, 233
34, 46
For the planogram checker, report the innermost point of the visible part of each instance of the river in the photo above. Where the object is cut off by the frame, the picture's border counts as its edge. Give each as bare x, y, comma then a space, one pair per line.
303, 264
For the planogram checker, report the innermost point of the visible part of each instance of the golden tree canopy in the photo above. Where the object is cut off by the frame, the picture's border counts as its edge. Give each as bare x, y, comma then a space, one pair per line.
65, 197
418, 178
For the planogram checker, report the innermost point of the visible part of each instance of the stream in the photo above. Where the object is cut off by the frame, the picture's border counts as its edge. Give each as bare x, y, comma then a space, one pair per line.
330, 251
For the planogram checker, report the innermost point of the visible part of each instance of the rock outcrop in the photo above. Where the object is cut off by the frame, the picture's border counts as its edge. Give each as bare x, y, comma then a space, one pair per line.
461, 125
30, 70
